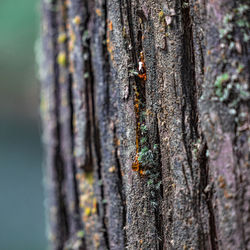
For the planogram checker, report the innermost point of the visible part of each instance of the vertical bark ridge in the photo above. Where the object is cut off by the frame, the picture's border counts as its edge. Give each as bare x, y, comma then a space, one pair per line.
50, 110
65, 119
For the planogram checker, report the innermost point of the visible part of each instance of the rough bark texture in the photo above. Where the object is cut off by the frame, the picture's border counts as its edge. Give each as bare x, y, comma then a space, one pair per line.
178, 113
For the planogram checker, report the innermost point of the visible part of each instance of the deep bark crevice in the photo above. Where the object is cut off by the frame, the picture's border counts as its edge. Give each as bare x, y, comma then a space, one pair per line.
63, 226
120, 184
131, 32
158, 210
188, 86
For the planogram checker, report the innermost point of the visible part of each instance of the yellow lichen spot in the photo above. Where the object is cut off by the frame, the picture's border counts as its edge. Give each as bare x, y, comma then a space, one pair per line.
62, 38
61, 59
89, 178
161, 16
98, 12
112, 169
124, 33
77, 20
87, 211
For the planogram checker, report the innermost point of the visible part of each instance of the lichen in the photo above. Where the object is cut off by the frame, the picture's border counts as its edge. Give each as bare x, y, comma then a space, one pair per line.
62, 59
231, 87
77, 20
62, 38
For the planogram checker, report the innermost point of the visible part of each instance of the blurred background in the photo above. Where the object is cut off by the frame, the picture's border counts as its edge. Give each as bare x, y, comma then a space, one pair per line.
22, 222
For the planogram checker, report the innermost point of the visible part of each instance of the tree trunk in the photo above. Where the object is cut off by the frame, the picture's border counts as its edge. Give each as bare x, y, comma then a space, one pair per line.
145, 110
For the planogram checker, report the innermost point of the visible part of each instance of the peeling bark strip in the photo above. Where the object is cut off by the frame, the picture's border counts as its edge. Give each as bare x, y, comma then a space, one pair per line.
158, 86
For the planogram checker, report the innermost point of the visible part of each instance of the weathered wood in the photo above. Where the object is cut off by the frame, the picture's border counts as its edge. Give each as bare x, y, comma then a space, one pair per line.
225, 114
184, 124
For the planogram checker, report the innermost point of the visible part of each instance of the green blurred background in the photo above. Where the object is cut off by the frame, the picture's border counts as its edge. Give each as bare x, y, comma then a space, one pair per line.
22, 222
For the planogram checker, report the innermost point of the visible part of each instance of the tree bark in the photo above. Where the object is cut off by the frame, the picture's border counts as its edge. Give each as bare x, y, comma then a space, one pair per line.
145, 111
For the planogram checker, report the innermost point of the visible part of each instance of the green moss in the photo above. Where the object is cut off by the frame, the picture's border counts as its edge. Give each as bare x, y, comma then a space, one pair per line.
239, 16
150, 182
80, 234
232, 87
185, 5
144, 128
219, 83
133, 72
143, 140
146, 156
158, 185
86, 75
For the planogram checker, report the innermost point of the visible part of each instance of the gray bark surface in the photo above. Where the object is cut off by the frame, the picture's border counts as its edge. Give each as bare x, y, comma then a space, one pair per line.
185, 126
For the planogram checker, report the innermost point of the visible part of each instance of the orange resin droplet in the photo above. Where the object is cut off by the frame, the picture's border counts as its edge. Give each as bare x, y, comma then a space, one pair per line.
143, 76
142, 172
135, 166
